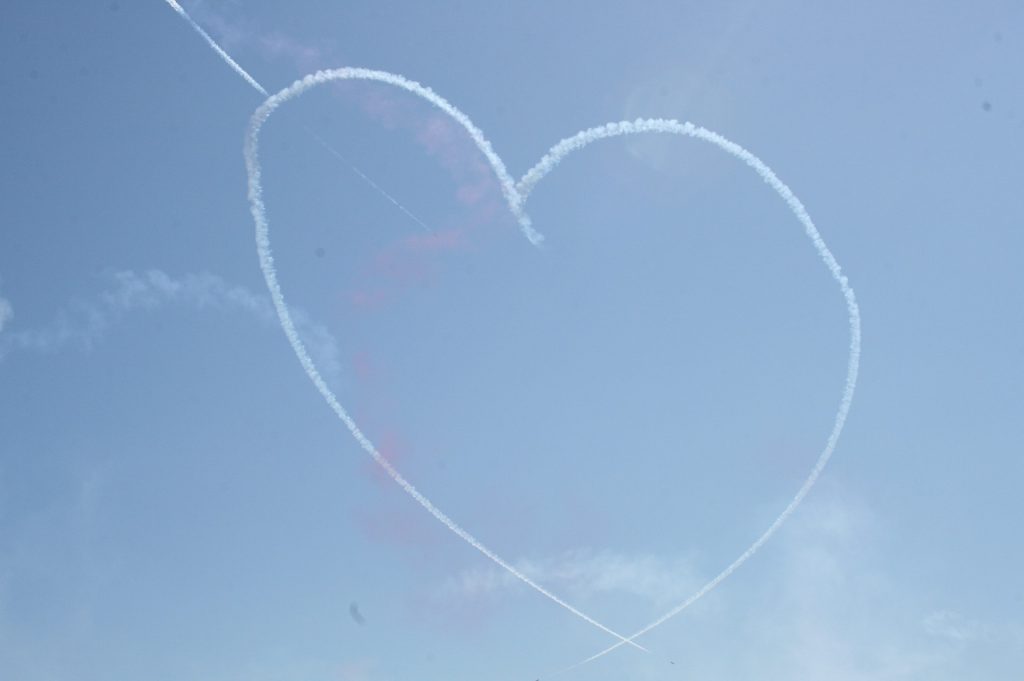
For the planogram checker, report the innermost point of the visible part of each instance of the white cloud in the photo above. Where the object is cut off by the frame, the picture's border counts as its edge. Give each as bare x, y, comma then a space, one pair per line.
952, 625
827, 606
821, 602
583, 574
6, 312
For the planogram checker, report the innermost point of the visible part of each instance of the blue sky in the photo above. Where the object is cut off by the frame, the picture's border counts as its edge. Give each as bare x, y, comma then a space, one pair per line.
618, 414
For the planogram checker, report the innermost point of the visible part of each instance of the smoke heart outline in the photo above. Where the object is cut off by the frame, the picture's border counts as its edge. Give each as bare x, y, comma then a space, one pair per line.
516, 194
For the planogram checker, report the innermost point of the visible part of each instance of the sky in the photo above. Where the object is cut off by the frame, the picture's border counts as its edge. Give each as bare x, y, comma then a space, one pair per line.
616, 414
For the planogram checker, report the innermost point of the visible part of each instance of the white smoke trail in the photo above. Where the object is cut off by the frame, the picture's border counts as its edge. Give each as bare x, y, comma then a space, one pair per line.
259, 88
259, 214
551, 160
83, 323
217, 48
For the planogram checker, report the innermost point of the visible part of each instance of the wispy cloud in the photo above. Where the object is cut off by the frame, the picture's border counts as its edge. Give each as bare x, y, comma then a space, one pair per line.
585, 573
831, 608
822, 603
833, 613
85, 322
953, 626
6, 312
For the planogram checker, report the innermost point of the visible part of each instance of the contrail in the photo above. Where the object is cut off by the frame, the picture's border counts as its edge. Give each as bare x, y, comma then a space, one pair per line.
259, 117
551, 160
259, 88
217, 48
367, 179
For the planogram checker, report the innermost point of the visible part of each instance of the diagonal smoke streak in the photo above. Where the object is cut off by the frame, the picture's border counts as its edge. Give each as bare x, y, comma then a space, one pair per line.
259, 214
259, 88
367, 179
551, 160
217, 48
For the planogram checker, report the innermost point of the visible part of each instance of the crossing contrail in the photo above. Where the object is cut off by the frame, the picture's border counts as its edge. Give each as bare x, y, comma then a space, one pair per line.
367, 179
259, 88
259, 214
581, 139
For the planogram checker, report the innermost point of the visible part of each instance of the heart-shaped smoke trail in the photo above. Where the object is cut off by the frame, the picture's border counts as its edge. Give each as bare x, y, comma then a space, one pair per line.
516, 195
